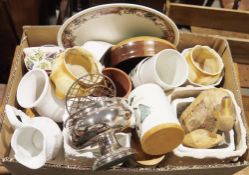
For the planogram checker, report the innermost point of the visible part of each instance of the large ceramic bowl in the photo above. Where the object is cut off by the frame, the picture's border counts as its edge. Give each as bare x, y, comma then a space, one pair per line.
114, 23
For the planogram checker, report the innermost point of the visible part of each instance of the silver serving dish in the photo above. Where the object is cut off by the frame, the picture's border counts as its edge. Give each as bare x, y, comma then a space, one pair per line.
96, 124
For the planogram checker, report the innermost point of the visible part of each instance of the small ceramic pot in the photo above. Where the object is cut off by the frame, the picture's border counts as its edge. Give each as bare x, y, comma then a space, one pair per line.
205, 65
71, 65
120, 79
138, 47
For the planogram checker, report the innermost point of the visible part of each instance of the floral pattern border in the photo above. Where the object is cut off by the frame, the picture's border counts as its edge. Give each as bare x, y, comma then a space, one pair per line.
68, 37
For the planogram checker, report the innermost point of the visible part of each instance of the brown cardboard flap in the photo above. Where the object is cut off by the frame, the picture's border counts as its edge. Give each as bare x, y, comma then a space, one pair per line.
5, 128
47, 35
16, 73
2, 92
243, 70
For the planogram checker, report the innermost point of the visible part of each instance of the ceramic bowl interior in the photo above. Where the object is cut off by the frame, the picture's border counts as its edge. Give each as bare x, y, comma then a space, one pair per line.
113, 23
120, 79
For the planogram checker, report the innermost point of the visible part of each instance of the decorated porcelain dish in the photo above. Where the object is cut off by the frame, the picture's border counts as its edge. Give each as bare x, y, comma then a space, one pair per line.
114, 23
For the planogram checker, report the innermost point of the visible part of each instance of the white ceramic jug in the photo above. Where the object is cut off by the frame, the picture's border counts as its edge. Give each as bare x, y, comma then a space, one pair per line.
35, 140
36, 91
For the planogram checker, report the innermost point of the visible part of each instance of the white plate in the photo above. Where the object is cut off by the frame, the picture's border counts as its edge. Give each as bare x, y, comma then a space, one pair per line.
113, 23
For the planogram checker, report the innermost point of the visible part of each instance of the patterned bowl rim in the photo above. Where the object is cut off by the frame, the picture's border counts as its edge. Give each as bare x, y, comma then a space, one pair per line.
121, 5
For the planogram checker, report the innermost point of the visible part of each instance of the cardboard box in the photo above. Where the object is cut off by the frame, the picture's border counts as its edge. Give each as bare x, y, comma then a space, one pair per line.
40, 35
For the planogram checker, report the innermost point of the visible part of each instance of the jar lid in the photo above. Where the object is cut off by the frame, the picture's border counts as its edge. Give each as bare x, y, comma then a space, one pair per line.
162, 138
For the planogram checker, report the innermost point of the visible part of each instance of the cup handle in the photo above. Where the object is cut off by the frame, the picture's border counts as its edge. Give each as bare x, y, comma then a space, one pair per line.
13, 114
124, 139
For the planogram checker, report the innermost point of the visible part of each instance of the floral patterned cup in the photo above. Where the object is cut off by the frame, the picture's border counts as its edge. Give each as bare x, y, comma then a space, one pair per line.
41, 57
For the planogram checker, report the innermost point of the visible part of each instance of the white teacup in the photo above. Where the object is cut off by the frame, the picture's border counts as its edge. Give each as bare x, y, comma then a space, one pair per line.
35, 91
135, 74
157, 125
167, 68
35, 140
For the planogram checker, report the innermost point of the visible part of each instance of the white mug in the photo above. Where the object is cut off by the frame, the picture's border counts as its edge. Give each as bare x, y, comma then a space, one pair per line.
135, 74
35, 140
97, 49
157, 125
35, 91
168, 69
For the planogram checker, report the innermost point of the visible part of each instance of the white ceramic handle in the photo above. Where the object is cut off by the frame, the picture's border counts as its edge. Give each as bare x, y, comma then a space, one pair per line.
12, 114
